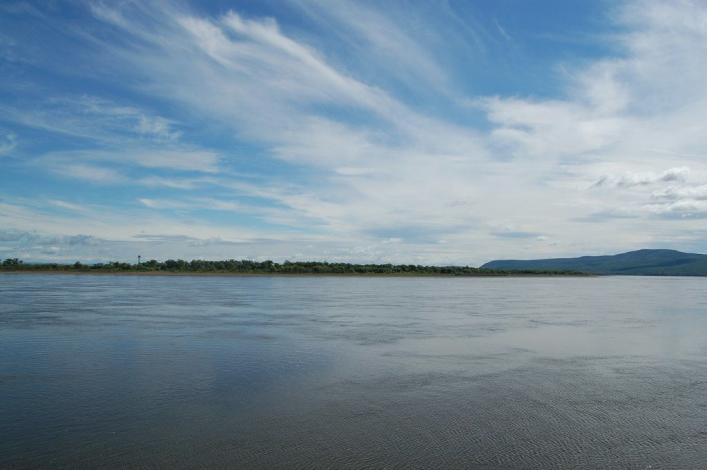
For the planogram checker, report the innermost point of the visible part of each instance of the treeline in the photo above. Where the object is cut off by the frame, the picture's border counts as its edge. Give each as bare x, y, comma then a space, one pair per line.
264, 267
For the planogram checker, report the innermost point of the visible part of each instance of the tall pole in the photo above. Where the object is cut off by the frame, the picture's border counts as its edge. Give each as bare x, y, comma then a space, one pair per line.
138, 260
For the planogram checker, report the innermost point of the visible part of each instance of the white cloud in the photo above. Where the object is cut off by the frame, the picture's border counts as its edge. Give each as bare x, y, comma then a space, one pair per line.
158, 127
677, 193
629, 180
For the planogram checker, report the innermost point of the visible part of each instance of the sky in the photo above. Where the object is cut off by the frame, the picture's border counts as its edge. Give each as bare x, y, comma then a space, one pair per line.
424, 132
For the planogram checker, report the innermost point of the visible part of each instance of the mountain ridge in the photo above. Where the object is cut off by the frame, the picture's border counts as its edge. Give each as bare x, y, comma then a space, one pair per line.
646, 262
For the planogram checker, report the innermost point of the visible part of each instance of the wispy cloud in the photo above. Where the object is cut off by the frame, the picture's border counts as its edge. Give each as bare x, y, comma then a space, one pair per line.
356, 125
90, 173
108, 162
90, 117
8, 142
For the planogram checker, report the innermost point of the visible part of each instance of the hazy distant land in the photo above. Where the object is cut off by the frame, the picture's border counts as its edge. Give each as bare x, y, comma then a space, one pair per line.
638, 263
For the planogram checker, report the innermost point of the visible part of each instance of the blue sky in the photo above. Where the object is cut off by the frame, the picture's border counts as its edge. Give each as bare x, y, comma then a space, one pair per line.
414, 131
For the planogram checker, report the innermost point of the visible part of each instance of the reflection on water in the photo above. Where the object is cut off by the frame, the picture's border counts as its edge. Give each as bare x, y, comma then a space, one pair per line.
324, 371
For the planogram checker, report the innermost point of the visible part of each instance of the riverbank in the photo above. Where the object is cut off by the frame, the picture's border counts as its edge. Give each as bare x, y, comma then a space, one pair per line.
275, 274
244, 267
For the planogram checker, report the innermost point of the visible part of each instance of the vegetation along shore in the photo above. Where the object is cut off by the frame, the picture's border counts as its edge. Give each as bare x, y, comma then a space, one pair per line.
247, 267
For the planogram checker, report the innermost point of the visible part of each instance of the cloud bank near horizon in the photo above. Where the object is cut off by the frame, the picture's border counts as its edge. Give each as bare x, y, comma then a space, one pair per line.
304, 129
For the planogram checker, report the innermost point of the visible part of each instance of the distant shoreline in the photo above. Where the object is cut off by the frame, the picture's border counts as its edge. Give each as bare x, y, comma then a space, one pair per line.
233, 267
245, 274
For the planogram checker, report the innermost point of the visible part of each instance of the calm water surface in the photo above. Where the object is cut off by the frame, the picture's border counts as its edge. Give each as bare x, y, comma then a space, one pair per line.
165, 372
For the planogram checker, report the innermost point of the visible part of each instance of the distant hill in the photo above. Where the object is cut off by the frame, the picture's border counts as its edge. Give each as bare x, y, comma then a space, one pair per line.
640, 262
